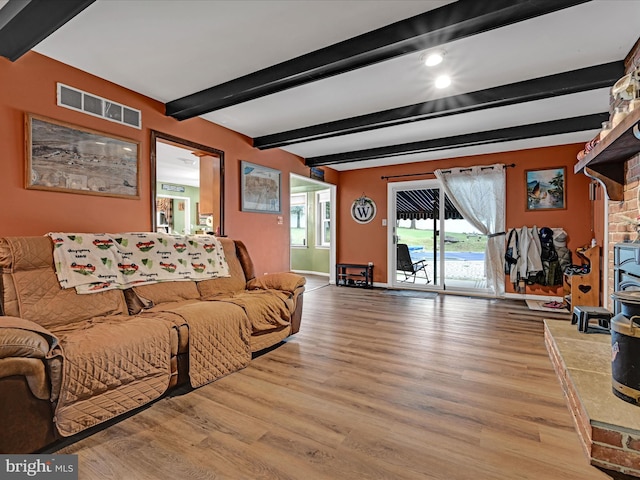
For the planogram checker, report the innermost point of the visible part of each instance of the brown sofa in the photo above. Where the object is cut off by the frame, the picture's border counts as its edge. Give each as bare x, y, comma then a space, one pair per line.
70, 362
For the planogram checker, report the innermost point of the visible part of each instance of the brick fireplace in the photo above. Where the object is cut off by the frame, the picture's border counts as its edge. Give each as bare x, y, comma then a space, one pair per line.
608, 427
619, 228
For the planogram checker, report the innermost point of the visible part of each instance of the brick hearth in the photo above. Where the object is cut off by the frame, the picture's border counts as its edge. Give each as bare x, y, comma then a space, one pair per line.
608, 427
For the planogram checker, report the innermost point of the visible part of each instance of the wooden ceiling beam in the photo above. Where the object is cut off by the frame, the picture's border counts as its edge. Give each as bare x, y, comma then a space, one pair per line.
25, 23
451, 22
521, 132
584, 79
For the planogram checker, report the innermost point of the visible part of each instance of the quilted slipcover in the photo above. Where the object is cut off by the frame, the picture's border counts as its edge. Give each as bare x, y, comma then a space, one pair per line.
111, 367
28, 264
112, 363
219, 337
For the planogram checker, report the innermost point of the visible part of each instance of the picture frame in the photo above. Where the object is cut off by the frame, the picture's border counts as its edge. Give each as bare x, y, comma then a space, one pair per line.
546, 189
260, 188
316, 173
62, 157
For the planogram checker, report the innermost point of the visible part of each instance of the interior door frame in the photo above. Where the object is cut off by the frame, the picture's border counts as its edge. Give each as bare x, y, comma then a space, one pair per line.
333, 195
392, 187
187, 209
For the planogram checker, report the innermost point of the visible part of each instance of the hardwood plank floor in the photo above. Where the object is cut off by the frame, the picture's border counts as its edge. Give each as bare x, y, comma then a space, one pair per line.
372, 387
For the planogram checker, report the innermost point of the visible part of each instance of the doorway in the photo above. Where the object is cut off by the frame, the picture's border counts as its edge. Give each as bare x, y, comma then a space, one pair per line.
173, 214
312, 229
431, 246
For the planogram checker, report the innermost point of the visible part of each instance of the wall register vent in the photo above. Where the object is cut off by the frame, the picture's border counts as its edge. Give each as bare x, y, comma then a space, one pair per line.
80, 101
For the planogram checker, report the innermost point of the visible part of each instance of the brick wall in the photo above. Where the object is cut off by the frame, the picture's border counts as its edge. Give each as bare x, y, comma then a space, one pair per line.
619, 229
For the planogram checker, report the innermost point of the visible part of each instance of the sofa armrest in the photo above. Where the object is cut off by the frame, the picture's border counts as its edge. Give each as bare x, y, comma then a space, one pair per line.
284, 281
32, 369
24, 345
23, 338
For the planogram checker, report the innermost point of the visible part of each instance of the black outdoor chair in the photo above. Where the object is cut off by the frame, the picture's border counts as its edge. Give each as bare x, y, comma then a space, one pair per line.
408, 267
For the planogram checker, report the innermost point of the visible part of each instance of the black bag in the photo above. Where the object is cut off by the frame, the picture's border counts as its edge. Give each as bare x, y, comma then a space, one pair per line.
509, 258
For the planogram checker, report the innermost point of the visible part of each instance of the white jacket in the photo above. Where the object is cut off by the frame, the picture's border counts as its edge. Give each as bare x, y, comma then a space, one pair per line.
527, 250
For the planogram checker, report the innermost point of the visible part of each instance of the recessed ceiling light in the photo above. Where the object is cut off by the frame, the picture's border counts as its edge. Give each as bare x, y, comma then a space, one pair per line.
443, 81
434, 58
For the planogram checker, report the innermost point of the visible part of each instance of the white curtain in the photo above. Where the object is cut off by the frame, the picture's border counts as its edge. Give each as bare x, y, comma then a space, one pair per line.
479, 195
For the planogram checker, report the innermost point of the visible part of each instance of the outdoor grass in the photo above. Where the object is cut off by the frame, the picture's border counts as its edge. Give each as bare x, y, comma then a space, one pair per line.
424, 238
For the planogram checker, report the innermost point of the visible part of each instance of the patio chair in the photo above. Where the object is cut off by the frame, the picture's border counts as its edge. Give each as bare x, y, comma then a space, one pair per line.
408, 267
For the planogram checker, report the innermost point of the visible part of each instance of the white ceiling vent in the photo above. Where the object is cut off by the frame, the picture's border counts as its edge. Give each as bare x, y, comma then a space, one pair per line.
75, 99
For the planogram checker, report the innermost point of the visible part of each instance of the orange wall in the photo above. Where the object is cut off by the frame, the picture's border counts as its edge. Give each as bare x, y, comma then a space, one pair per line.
363, 243
29, 85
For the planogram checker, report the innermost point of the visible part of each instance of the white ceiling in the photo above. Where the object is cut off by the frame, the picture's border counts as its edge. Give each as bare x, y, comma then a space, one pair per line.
169, 49
177, 165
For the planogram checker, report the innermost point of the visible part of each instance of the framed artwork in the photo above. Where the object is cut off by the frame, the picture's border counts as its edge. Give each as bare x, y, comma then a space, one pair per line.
259, 188
546, 189
67, 158
316, 173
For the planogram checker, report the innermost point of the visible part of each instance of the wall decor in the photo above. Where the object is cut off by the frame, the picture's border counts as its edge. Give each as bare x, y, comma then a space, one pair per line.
316, 173
363, 209
546, 189
259, 188
67, 158
173, 188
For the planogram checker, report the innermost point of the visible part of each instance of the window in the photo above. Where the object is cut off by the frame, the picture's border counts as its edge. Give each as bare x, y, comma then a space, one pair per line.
323, 204
298, 206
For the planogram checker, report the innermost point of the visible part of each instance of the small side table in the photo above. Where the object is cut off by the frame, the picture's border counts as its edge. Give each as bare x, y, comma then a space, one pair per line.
354, 275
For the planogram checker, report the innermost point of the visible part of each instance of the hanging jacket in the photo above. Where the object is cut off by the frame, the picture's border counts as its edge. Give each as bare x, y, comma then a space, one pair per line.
551, 272
530, 265
512, 256
560, 244
535, 250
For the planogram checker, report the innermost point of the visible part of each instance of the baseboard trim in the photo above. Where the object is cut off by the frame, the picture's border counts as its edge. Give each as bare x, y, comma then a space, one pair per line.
529, 296
309, 272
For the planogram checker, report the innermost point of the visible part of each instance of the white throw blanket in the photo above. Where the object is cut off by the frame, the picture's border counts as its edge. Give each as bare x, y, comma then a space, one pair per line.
97, 262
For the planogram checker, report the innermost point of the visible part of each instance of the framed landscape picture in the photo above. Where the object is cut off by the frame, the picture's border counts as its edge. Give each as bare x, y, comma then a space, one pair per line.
68, 158
259, 188
546, 189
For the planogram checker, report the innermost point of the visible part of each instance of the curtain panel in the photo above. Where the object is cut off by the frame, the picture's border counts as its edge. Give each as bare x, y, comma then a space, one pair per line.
479, 195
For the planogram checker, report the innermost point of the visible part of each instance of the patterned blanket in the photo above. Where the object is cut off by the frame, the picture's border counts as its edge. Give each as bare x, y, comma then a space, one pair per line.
97, 262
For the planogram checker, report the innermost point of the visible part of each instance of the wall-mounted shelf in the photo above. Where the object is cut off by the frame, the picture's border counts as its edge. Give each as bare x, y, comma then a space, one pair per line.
606, 160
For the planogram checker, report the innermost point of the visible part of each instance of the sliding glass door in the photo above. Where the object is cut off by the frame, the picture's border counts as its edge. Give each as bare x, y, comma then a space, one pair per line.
430, 245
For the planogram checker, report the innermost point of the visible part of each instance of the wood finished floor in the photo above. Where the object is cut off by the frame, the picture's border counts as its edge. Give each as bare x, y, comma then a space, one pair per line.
372, 387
